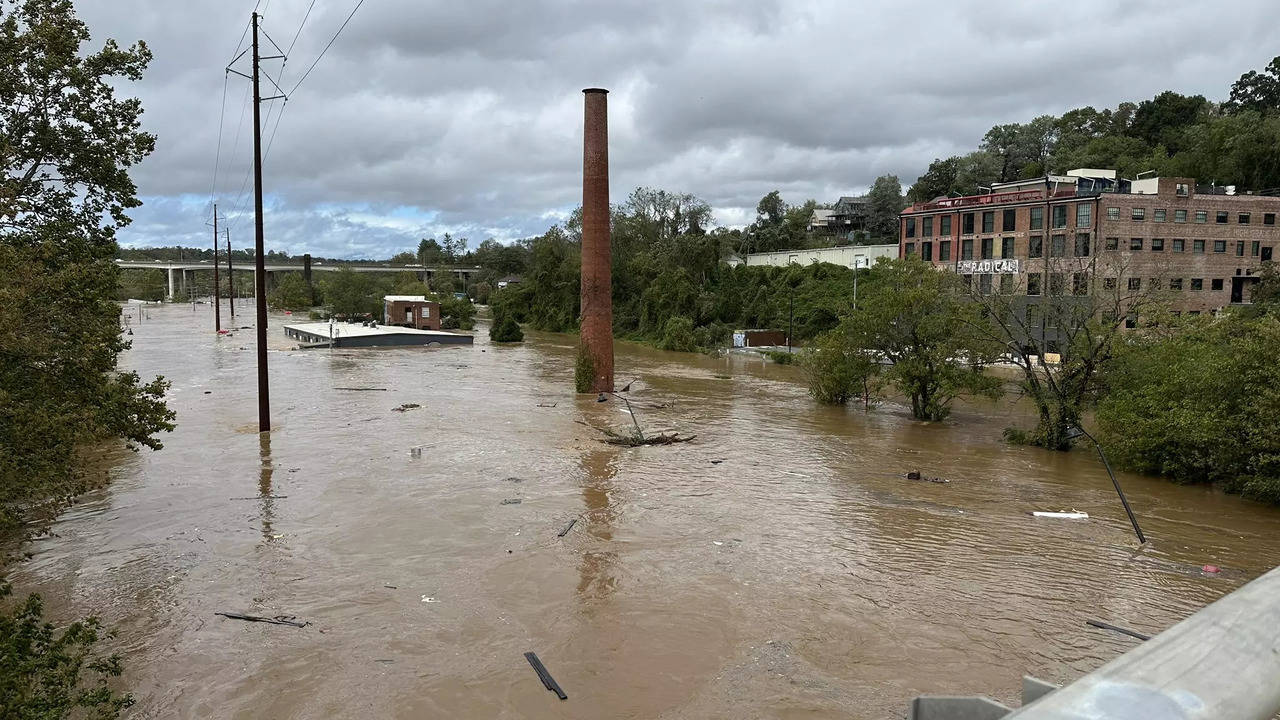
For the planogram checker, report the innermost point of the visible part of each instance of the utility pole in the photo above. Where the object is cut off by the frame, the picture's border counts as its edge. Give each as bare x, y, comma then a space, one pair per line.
791, 317
217, 300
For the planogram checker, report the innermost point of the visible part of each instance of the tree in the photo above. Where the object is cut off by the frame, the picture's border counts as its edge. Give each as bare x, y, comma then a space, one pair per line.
290, 293
48, 674
1162, 119
352, 294
1256, 91
430, 252
505, 329
915, 319
771, 209
1074, 308
938, 181
404, 258
1198, 404
839, 369
885, 202
66, 146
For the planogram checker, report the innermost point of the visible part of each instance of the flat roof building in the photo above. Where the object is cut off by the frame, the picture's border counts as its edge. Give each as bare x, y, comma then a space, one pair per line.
1199, 247
414, 311
346, 334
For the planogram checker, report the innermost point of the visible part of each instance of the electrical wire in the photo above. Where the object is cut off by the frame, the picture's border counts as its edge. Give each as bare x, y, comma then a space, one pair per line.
326, 47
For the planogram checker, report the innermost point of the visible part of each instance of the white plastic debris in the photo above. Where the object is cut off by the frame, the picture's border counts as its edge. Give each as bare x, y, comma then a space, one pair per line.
426, 599
1073, 515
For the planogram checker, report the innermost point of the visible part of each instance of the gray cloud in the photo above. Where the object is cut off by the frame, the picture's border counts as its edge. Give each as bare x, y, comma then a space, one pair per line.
427, 117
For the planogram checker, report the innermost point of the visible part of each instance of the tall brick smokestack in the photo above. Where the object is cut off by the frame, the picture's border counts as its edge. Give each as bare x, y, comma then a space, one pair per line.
594, 372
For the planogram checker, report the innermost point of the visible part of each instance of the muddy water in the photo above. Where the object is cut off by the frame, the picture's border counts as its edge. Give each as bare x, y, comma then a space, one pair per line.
779, 566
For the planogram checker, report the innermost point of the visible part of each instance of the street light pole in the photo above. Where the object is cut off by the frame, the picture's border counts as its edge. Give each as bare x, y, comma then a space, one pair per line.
1077, 431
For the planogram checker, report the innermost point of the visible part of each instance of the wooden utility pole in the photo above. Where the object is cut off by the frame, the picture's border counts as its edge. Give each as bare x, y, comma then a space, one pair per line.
217, 299
259, 271
231, 279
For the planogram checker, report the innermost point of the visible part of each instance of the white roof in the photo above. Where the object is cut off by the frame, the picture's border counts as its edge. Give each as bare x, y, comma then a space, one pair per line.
357, 330
404, 298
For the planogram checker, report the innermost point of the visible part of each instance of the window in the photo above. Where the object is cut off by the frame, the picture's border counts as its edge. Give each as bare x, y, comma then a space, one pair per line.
1139, 214
1155, 284
911, 248
1202, 216
1033, 283
1254, 250
1060, 216
1182, 189
1135, 283
1082, 244
944, 251
1197, 284
1035, 246
1058, 246
1006, 284
1216, 284
1219, 246
1113, 243
986, 248
1268, 218
989, 221
1084, 215
968, 282
1157, 244
1135, 244
1009, 220
1080, 284
945, 222
927, 227
966, 249
1131, 321
1033, 315
1037, 218
1113, 213
984, 283
1179, 216
1266, 253
1057, 284
1006, 247
1239, 248
1243, 218
1221, 217
926, 251
1197, 246
1158, 215
911, 227
1179, 244
1175, 284
1108, 283
966, 223
1193, 312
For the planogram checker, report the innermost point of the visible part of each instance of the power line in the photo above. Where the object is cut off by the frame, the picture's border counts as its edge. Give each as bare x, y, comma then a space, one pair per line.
217, 155
304, 22
326, 47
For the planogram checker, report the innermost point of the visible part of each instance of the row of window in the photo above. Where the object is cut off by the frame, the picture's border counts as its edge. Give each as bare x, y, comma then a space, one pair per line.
1008, 221
1035, 248
1084, 219
1197, 246
1080, 283
1221, 217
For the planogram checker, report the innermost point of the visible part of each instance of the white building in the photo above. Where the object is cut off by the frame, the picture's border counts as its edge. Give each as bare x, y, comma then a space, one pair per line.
850, 256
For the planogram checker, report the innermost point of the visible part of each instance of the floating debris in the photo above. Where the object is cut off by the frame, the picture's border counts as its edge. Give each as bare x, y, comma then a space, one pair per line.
1123, 631
1073, 515
290, 620
405, 407
566, 529
547, 681
261, 497
547, 405
357, 389
510, 501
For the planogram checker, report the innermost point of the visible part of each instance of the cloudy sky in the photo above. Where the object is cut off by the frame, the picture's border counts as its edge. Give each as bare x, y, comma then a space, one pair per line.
434, 116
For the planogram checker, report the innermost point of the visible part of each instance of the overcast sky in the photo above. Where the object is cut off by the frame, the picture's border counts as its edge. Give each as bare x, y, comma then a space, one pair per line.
433, 116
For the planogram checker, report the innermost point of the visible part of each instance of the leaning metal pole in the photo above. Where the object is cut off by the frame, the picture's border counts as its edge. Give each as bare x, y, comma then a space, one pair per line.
594, 371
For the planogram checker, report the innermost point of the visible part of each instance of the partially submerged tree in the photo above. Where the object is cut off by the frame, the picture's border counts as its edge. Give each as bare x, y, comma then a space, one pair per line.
290, 293
838, 369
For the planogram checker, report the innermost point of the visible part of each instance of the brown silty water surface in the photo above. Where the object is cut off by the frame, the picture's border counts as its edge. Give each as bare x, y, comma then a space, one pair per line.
778, 566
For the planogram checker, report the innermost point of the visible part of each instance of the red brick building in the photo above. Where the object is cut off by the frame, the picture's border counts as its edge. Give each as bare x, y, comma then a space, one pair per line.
1199, 247
414, 311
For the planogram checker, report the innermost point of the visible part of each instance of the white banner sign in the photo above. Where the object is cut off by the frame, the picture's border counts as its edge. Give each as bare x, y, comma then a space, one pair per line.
1003, 266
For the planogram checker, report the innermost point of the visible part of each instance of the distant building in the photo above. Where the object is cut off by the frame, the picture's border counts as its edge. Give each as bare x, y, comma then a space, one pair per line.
1200, 247
849, 214
509, 280
414, 311
820, 221
850, 256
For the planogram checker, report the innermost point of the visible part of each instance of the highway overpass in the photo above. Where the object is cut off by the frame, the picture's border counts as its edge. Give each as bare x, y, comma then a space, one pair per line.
180, 272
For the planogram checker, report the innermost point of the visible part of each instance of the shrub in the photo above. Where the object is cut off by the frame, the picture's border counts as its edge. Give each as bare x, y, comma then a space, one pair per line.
677, 335
584, 370
506, 329
839, 371
780, 357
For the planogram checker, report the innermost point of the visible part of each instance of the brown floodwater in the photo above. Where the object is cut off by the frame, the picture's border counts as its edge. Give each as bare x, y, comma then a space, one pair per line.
778, 566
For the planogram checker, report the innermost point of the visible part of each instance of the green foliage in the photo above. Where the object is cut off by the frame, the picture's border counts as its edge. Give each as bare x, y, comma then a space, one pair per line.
290, 293
66, 146
839, 369
584, 371
150, 285
458, 313
1199, 405
885, 201
781, 357
914, 318
480, 292
677, 335
506, 329
1259, 92
46, 674
348, 293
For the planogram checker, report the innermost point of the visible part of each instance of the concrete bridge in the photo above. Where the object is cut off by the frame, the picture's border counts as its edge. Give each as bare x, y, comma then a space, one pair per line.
180, 273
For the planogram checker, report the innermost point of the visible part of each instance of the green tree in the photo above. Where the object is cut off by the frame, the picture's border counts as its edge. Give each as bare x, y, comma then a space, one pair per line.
1257, 91
290, 293
404, 258
505, 329
66, 146
1199, 405
430, 252
885, 201
839, 369
45, 674
915, 319
352, 294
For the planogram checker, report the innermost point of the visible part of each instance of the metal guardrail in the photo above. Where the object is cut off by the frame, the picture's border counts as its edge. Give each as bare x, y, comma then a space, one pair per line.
1222, 663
